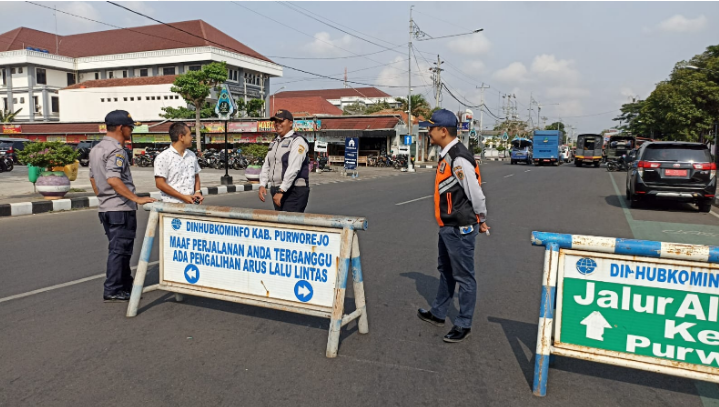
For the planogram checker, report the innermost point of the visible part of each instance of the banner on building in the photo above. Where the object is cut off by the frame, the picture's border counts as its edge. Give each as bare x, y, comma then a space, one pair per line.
304, 125
102, 128
242, 127
266, 126
214, 127
56, 138
252, 138
11, 129
141, 129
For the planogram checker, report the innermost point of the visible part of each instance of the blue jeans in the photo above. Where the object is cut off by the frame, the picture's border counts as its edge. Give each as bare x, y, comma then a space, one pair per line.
456, 266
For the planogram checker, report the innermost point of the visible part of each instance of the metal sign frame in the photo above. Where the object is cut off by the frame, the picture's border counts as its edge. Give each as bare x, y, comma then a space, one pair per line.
349, 259
557, 246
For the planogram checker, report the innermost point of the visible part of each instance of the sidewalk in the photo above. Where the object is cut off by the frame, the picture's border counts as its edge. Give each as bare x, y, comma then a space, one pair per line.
17, 196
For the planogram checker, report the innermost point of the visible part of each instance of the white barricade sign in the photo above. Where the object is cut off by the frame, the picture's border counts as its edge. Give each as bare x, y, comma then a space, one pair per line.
293, 262
640, 304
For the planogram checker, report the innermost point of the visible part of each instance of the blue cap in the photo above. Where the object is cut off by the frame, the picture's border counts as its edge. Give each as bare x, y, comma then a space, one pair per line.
120, 118
441, 118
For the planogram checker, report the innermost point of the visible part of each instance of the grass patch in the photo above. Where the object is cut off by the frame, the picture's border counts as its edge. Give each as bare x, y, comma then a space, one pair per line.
77, 190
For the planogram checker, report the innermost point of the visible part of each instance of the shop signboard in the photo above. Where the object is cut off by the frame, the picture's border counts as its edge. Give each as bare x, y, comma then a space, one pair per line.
242, 127
320, 147
11, 129
56, 138
214, 127
252, 138
141, 129
102, 128
304, 125
266, 126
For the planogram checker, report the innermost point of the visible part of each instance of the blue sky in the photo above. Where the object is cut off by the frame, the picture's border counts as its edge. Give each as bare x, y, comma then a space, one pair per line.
580, 60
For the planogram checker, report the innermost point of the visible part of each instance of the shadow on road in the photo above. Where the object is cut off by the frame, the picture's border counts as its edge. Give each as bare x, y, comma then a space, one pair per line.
519, 333
427, 288
653, 205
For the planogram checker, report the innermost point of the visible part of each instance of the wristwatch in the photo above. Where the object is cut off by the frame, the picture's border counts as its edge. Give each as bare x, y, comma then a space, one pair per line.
199, 191
279, 190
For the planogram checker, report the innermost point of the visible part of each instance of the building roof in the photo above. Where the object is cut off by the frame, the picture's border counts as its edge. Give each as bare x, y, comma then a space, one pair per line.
360, 123
335, 93
305, 106
400, 113
116, 82
123, 41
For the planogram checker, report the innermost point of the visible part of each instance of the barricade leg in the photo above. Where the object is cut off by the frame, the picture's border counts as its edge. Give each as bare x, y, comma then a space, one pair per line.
546, 320
358, 286
179, 297
340, 288
139, 282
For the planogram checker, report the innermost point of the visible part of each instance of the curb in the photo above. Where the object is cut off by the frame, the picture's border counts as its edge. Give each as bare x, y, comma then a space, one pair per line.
37, 207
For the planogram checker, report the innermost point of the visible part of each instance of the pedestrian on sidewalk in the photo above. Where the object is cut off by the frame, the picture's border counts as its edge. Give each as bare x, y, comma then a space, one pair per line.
177, 172
287, 167
460, 211
112, 182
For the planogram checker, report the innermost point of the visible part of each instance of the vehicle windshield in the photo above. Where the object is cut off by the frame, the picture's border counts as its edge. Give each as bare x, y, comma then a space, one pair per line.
677, 152
5, 144
521, 145
589, 143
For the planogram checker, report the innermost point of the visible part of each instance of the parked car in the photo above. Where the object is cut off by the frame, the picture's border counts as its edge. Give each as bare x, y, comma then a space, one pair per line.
564, 154
10, 146
84, 148
674, 171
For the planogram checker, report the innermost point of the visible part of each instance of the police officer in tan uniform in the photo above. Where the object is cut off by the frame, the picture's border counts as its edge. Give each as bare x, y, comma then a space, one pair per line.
112, 182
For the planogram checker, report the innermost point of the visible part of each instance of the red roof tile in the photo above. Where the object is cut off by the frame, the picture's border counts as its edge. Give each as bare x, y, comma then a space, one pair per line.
137, 39
335, 93
305, 106
138, 81
359, 123
400, 113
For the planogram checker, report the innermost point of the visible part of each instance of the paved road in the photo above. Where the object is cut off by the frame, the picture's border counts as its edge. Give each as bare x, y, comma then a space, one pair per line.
65, 347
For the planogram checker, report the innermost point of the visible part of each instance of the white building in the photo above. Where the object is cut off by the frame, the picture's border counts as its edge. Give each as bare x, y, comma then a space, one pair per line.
35, 65
344, 97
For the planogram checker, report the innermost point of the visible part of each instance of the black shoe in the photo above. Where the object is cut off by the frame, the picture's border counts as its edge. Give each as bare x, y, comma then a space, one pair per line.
457, 334
121, 296
427, 316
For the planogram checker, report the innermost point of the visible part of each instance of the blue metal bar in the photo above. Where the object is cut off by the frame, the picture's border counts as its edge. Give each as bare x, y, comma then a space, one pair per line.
546, 320
304, 219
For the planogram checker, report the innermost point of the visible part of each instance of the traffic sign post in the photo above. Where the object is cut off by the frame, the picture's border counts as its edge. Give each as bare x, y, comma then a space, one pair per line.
224, 108
641, 304
279, 260
351, 151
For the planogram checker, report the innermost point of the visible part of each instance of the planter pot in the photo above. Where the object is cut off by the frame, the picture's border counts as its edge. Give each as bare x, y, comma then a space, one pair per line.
52, 184
70, 170
252, 173
33, 173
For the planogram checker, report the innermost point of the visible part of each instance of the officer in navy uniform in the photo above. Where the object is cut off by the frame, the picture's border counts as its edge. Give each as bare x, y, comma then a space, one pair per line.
287, 167
112, 182
460, 211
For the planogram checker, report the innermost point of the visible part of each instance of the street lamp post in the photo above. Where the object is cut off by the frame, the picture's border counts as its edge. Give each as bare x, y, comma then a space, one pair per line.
272, 97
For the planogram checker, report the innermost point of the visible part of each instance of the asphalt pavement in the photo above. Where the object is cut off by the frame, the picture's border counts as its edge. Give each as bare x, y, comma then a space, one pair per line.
65, 347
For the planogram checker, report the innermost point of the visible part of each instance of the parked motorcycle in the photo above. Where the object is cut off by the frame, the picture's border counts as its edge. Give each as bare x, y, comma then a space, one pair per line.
9, 165
618, 165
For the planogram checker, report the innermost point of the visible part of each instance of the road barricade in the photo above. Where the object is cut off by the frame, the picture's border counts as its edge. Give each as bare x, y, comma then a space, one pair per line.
287, 261
634, 303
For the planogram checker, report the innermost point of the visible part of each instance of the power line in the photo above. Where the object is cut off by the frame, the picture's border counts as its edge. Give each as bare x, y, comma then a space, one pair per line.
318, 58
225, 46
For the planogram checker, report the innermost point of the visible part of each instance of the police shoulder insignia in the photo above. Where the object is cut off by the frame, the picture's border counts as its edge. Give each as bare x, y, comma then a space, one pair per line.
442, 166
301, 149
119, 161
458, 172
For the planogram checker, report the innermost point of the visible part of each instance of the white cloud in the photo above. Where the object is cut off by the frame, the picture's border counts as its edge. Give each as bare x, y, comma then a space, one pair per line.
560, 92
549, 67
395, 74
72, 25
515, 72
680, 24
323, 45
475, 44
475, 67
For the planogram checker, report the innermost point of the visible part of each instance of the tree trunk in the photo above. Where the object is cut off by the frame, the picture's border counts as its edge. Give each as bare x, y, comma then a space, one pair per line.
197, 127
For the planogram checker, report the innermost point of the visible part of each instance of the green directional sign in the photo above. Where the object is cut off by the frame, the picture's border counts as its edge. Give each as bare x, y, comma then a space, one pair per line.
652, 310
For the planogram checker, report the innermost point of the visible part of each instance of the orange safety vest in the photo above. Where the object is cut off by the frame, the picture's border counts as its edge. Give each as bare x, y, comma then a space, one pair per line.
452, 207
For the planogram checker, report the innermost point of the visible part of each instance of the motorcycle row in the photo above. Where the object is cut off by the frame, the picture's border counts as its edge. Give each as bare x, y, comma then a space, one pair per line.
617, 165
210, 158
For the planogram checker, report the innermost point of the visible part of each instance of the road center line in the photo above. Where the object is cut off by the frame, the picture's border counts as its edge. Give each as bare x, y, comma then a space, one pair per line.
414, 200
55, 287
510, 175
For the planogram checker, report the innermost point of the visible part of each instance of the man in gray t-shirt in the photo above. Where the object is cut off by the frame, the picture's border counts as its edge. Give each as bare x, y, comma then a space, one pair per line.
112, 182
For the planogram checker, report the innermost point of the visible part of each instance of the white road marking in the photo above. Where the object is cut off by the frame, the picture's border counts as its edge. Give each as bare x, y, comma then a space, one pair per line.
414, 200
55, 287
713, 213
527, 170
510, 175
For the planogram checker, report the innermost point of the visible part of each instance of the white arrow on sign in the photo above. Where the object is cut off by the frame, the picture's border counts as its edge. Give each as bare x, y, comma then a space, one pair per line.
596, 324
303, 291
192, 274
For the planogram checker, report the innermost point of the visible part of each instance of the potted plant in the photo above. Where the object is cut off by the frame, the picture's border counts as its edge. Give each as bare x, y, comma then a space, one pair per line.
51, 158
252, 172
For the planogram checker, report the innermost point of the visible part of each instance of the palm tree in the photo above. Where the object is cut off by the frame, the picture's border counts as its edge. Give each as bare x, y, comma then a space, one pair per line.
420, 106
8, 117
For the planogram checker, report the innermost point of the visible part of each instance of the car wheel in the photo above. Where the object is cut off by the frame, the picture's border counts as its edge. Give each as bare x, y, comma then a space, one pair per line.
705, 206
634, 201
578, 163
596, 164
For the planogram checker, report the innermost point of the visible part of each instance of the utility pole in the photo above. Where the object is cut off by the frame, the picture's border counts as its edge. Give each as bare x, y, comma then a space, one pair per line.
437, 80
410, 167
481, 108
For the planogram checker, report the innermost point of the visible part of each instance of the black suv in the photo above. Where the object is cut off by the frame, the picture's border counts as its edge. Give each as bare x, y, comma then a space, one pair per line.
84, 148
672, 170
11, 147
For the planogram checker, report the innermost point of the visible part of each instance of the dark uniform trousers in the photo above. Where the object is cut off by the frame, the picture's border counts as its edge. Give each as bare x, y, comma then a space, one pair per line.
294, 200
120, 228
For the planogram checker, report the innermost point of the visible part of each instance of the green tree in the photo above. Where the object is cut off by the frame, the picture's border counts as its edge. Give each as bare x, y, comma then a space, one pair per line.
420, 106
195, 87
182, 112
253, 108
354, 109
8, 117
555, 126
377, 107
